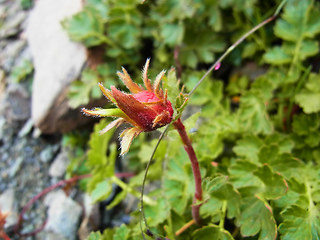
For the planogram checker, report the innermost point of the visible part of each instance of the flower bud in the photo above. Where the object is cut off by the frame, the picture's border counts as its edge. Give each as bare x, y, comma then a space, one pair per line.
146, 109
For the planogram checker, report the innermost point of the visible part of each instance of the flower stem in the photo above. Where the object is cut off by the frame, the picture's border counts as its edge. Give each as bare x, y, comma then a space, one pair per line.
195, 168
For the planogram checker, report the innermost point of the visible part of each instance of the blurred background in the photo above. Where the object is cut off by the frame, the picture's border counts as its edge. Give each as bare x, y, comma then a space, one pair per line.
53, 54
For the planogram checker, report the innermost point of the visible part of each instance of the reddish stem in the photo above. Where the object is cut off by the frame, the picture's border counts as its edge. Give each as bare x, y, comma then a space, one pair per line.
195, 168
47, 190
4, 236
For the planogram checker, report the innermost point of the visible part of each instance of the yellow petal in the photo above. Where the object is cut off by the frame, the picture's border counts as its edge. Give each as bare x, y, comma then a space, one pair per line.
157, 83
106, 93
146, 81
127, 137
126, 79
111, 125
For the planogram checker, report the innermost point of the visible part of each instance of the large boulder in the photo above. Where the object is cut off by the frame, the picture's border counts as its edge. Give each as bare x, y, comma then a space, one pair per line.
57, 62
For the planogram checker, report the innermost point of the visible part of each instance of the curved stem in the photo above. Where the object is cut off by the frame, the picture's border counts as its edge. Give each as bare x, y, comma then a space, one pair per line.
195, 168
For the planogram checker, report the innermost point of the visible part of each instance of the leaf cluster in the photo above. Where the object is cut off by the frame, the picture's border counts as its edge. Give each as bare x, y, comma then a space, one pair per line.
256, 136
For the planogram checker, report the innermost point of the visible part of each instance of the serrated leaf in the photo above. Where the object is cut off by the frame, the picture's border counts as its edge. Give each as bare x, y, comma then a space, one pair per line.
223, 190
210, 233
275, 185
256, 217
101, 6
297, 24
300, 223
119, 197
21, 71
125, 34
309, 97
277, 56
99, 163
305, 124
253, 115
310, 102
153, 215
80, 91
307, 49
172, 33
241, 174
85, 27
248, 147
98, 144
101, 191
294, 17
94, 236
121, 233
171, 83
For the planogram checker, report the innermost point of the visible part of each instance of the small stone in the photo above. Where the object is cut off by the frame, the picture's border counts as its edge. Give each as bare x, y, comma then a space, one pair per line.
18, 103
47, 154
26, 129
59, 165
10, 52
12, 24
91, 219
16, 166
63, 216
7, 205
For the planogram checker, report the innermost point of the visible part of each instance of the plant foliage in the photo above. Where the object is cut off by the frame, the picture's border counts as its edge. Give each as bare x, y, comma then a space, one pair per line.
256, 136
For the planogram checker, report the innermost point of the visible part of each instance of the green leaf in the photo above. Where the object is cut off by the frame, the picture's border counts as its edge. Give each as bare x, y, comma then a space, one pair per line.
253, 115
211, 232
309, 97
101, 191
307, 49
241, 174
85, 27
21, 71
80, 91
121, 233
248, 147
101, 6
98, 148
171, 83
275, 185
310, 102
305, 124
153, 215
277, 56
98, 162
125, 34
300, 223
256, 217
219, 188
172, 33
299, 22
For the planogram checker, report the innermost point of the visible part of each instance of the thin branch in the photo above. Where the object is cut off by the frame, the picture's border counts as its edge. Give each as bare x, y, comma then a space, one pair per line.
232, 47
144, 182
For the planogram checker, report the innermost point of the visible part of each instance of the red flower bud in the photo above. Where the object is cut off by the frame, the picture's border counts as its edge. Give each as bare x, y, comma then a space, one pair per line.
145, 109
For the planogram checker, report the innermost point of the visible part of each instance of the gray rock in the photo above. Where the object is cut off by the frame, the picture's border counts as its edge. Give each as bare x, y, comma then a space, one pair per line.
17, 103
12, 24
57, 62
59, 165
7, 205
26, 129
91, 219
10, 51
47, 154
12, 19
63, 215
16, 166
